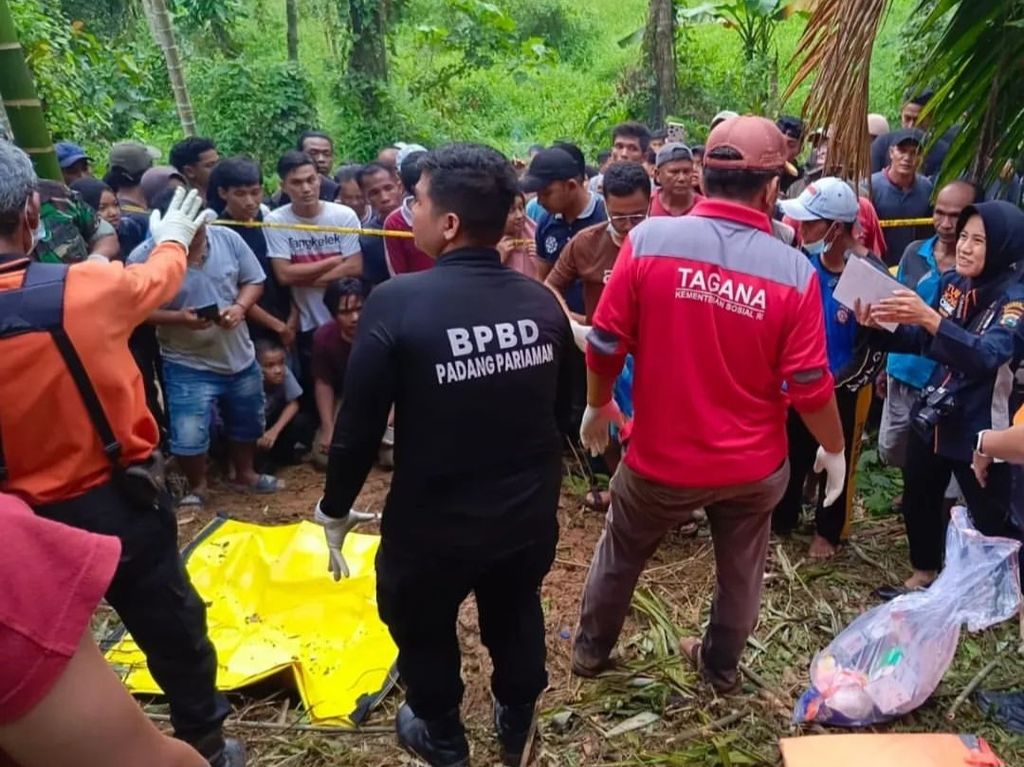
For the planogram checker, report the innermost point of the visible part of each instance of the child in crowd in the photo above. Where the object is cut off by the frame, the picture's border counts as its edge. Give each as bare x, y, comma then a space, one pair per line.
101, 198
518, 247
288, 434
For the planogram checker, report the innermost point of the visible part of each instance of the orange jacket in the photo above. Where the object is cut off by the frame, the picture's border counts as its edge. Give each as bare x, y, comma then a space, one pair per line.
50, 446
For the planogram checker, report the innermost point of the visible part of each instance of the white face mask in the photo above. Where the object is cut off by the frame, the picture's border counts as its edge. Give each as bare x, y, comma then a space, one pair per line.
819, 247
38, 235
616, 237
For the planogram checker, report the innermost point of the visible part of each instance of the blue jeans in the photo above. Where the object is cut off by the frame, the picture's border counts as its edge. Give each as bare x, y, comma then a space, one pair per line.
191, 396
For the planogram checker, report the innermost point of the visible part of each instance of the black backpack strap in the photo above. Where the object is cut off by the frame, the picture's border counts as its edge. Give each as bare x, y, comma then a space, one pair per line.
111, 447
40, 308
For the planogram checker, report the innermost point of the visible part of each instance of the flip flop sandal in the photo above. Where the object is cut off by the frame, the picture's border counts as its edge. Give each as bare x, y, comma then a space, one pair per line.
192, 502
688, 529
265, 484
889, 593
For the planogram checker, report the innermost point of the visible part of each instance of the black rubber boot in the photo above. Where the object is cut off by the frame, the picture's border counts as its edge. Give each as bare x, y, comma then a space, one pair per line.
512, 724
440, 742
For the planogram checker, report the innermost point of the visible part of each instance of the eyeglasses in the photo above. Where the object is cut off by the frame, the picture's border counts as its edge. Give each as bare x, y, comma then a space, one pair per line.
632, 218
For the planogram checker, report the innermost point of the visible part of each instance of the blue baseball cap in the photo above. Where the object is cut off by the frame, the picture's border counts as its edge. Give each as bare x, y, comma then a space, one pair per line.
68, 154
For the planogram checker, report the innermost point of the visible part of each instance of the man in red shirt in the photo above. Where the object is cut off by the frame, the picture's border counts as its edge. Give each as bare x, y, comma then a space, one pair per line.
401, 254
726, 326
61, 704
674, 174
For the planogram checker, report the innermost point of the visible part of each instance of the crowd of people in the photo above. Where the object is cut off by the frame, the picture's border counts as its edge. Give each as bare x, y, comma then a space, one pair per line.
465, 320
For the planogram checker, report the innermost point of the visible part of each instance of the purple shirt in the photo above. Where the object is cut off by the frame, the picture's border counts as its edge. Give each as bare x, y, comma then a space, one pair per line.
330, 356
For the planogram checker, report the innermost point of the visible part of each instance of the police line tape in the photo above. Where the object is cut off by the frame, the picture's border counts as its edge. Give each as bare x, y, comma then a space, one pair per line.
397, 234
893, 222
317, 228
394, 233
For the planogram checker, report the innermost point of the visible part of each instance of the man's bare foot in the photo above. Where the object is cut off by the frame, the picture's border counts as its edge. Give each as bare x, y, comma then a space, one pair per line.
821, 549
921, 579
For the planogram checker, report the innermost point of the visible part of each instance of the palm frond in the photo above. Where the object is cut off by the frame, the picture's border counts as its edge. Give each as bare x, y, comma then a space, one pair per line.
836, 49
977, 70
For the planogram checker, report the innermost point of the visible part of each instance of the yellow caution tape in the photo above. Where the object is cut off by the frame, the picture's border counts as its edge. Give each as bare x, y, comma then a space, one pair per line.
336, 229
317, 228
891, 222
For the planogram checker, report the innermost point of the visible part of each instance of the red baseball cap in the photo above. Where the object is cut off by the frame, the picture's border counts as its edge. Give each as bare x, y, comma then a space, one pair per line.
757, 140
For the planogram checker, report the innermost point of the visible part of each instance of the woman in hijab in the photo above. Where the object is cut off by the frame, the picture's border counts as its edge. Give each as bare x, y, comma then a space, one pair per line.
101, 198
974, 332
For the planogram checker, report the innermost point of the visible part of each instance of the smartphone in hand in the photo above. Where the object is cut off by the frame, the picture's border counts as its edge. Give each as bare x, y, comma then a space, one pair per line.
211, 313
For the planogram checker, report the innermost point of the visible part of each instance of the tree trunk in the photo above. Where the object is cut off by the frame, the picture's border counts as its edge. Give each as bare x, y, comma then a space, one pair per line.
367, 60
163, 33
291, 8
23, 108
660, 56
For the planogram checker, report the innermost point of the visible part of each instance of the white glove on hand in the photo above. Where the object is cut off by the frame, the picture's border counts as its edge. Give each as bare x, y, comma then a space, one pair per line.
594, 429
834, 466
579, 334
183, 218
335, 529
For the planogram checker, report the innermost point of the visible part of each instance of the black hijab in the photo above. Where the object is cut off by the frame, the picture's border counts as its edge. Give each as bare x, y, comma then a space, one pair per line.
1004, 249
91, 190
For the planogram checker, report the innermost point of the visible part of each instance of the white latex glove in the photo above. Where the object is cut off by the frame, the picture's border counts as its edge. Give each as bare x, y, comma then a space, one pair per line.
183, 218
335, 529
834, 466
579, 334
594, 429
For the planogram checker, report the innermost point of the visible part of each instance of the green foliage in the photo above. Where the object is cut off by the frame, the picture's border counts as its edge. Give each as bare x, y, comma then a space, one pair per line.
753, 20
212, 19
255, 110
475, 35
89, 90
877, 484
568, 29
506, 72
978, 66
106, 18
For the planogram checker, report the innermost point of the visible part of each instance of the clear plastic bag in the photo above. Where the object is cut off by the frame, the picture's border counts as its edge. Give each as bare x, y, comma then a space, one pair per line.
890, 659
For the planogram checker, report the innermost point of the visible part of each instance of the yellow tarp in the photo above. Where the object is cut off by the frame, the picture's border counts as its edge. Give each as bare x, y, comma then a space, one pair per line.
272, 605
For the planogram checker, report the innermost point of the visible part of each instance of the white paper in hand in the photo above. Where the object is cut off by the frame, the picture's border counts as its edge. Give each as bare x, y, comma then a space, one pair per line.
860, 280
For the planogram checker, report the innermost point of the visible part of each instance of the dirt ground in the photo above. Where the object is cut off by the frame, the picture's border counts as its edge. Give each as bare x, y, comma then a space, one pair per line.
595, 722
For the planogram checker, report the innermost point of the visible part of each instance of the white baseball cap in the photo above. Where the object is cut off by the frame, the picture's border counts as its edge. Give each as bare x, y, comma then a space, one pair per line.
829, 199
404, 150
725, 114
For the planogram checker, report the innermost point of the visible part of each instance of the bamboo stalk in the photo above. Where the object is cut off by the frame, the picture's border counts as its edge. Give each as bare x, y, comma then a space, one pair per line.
163, 33
20, 102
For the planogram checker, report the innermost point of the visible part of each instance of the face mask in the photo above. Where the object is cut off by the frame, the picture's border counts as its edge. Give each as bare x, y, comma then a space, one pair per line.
38, 235
616, 237
818, 247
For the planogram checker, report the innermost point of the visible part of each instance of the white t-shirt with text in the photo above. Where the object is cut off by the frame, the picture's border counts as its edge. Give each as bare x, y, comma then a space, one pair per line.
302, 247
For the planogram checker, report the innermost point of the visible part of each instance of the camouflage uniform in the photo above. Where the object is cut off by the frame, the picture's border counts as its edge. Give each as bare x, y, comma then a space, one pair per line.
70, 226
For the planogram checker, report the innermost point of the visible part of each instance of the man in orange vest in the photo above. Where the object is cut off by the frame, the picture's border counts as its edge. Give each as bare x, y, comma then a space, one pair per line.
78, 443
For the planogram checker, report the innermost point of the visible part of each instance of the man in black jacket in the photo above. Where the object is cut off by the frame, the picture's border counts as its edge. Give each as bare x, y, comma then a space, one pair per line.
473, 356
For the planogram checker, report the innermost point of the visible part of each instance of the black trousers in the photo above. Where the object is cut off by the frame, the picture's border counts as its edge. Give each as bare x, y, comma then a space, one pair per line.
146, 351
304, 351
831, 523
157, 603
418, 596
925, 479
283, 453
